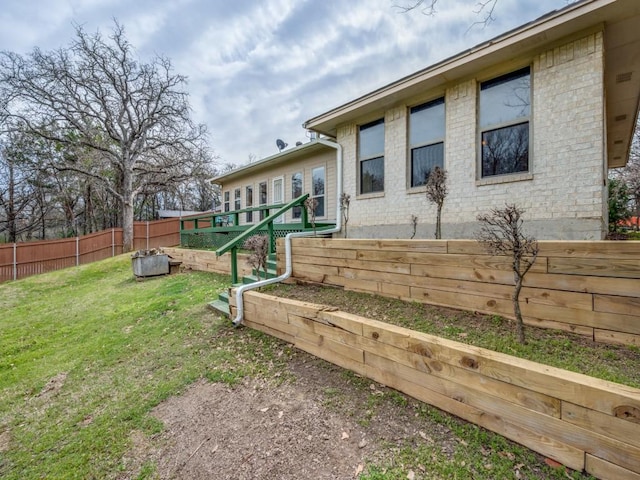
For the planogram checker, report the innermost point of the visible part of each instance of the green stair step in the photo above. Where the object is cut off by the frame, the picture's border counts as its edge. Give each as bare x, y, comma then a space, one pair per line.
219, 306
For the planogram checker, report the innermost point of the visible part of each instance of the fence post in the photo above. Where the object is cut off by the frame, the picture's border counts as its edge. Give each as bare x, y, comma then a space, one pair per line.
113, 242
147, 234
77, 251
15, 261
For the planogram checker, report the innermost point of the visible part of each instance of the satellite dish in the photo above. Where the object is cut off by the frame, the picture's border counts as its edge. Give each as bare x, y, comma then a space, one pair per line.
281, 145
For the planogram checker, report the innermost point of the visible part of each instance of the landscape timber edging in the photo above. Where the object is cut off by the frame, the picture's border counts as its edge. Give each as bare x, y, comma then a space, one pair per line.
582, 422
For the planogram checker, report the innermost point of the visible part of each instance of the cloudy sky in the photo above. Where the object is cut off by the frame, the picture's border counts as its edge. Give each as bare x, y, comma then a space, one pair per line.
258, 69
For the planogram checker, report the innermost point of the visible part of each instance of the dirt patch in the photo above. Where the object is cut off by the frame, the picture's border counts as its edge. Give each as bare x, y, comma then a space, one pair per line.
53, 386
316, 424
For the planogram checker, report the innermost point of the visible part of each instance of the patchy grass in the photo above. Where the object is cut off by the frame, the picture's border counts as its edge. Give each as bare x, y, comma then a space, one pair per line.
555, 348
87, 352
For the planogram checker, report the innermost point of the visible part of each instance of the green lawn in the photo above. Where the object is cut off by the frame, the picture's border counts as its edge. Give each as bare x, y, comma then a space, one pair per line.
87, 352
119, 347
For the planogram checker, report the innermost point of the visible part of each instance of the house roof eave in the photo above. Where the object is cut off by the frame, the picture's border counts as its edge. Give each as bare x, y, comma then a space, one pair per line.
284, 156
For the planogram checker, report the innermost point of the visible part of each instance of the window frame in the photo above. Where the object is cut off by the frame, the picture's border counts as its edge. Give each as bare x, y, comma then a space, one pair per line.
315, 196
365, 159
248, 202
430, 142
237, 198
296, 212
512, 124
262, 215
226, 204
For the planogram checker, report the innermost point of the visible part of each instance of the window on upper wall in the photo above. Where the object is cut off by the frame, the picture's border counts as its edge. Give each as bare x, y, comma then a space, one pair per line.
296, 191
505, 108
237, 204
226, 201
371, 157
317, 190
248, 200
426, 140
262, 192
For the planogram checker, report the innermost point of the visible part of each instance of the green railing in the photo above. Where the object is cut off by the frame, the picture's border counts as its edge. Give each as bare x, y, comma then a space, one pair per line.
212, 230
268, 225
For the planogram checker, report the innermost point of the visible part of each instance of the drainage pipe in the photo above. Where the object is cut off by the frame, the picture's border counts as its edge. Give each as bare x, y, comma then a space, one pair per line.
287, 240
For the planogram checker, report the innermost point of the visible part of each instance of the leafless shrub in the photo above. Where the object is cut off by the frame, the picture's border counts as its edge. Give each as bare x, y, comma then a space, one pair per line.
259, 247
501, 234
345, 201
436, 193
414, 224
310, 204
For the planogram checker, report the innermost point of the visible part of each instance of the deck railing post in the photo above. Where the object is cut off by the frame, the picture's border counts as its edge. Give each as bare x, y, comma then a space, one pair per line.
272, 239
15, 261
234, 265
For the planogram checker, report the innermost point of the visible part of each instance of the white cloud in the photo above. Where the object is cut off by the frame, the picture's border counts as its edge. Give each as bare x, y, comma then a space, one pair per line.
258, 68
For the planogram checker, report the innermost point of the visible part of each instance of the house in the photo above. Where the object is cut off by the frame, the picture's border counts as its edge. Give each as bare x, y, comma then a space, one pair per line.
534, 117
278, 179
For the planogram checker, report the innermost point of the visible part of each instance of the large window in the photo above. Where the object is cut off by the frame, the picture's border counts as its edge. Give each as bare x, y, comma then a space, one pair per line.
505, 107
317, 190
248, 200
371, 157
296, 191
426, 140
262, 192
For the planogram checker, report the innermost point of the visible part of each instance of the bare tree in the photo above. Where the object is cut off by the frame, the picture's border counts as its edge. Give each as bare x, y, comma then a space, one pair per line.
428, 7
436, 193
501, 233
118, 120
310, 204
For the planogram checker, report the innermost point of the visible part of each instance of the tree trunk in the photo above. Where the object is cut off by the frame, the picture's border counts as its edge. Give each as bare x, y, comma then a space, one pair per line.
127, 212
438, 222
11, 213
516, 309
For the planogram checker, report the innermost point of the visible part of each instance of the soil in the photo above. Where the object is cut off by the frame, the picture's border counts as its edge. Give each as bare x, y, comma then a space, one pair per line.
312, 420
317, 424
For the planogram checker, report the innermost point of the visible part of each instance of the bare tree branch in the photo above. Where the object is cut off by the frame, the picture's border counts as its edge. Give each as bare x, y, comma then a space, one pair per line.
501, 233
122, 122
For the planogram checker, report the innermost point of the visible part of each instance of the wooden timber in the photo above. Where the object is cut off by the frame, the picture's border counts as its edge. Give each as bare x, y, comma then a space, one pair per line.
587, 287
582, 422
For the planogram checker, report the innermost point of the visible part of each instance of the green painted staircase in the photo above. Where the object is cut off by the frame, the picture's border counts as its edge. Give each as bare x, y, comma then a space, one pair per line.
221, 304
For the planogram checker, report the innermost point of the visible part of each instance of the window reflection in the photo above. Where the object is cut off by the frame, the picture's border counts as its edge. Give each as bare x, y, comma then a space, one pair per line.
371, 157
505, 107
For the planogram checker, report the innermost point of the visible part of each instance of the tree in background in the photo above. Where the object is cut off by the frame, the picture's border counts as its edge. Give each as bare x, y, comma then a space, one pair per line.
501, 233
618, 203
436, 193
112, 118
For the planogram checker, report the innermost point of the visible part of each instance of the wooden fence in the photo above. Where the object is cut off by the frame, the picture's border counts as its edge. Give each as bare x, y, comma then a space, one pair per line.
19, 260
587, 287
582, 422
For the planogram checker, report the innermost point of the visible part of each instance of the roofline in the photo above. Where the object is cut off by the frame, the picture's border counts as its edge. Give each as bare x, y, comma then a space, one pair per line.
528, 31
283, 156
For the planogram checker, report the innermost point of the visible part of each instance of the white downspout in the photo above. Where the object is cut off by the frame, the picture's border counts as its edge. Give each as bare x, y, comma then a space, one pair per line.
287, 240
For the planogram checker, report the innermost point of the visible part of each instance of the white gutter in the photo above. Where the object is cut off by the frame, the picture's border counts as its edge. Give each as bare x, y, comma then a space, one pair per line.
287, 240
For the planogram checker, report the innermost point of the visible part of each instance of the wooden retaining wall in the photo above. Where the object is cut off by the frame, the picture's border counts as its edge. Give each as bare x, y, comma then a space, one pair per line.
582, 422
207, 261
587, 287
